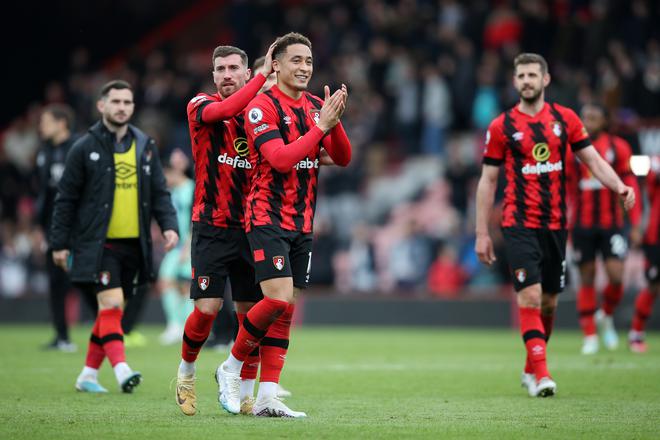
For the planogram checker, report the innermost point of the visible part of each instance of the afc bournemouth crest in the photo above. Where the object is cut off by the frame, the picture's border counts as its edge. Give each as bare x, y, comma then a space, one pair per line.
521, 275
278, 262
556, 128
104, 278
203, 282
315, 114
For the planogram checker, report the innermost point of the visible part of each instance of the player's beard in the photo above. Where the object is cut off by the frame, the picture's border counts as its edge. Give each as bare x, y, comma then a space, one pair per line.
227, 90
115, 123
531, 100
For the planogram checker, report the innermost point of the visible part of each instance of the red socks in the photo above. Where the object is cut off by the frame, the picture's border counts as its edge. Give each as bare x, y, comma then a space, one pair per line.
111, 335
612, 297
586, 307
531, 328
95, 353
643, 308
548, 323
255, 325
197, 329
251, 364
274, 347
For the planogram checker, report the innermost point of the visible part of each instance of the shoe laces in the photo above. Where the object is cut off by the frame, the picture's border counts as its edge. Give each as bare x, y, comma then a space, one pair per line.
234, 384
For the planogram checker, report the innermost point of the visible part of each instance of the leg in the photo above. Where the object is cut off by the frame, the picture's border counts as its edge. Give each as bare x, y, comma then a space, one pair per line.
111, 303
548, 312
586, 298
613, 249
645, 300
585, 245
275, 345
59, 288
169, 296
137, 298
225, 326
614, 291
251, 363
186, 305
88, 379
273, 350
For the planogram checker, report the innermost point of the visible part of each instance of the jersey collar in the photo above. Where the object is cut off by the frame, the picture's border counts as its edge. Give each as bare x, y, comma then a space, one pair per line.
286, 98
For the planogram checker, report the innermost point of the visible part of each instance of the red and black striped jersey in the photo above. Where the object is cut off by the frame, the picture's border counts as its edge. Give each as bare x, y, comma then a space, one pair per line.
595, 205
652, 235
222, 165
285, 144
533, 150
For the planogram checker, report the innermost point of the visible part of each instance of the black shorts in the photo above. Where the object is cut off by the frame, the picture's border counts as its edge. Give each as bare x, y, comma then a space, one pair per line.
652, 265
218, 254
278, 253
120, 264
536, 256
608, 243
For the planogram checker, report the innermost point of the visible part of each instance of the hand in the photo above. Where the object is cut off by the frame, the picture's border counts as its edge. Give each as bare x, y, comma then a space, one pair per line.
61, 259
171, 239
627, 195
325, 159
332, 109
267, 68
345, 90
636, 236
484, 249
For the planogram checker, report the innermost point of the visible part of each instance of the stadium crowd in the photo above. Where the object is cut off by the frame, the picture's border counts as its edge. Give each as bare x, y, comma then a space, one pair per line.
425, 79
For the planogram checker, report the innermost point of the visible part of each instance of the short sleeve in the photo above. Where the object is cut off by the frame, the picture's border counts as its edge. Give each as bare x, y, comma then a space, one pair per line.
196, 106
577, 134
261, 123
494, 146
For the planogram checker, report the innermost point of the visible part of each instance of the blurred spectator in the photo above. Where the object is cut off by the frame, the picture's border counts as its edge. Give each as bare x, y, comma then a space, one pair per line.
446, 277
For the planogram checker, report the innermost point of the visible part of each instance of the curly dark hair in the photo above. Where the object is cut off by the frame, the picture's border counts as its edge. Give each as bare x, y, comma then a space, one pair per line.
287, 40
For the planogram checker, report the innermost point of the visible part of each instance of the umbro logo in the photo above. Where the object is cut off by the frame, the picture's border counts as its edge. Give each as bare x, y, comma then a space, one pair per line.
537, 350
518, 136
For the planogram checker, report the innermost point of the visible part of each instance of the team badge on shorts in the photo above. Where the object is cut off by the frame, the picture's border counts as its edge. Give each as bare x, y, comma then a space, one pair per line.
521, 275
104, 278
278, 262
203, 282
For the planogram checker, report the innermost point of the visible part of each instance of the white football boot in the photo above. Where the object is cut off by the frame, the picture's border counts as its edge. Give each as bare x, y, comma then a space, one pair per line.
528, 381
229, 389
274, 407
590, 345
546, 387
605, 324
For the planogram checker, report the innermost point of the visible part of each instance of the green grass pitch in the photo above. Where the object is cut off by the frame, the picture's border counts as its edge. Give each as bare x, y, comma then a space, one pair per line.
352, 382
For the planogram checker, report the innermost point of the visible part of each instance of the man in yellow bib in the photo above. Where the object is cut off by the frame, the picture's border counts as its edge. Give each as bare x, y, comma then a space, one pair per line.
112, 186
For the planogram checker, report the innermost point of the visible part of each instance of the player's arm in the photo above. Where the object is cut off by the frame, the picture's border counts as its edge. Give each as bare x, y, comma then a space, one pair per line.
623, 168
325, 159
337, 144
208, 111
485, 199
282, 156
65, 208
606, 175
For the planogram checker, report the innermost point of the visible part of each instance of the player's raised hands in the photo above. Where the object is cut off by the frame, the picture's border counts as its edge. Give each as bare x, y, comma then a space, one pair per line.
267, 68
345, 90
332, 109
